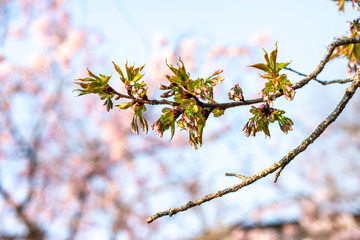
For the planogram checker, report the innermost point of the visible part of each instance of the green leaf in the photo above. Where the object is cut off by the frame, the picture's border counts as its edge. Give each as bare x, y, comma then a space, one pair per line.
273, 56
87, 79
109, 104
93, 75
105, 79
134, 126
186, 103
118, 69
218, 112
143, 124
280, 66
137, 77
172, 130
124, 105
266, 56
261, 66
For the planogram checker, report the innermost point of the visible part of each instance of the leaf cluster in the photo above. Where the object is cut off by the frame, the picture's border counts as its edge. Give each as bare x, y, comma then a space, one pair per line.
189, 94
276, 82
97, 85
193, 99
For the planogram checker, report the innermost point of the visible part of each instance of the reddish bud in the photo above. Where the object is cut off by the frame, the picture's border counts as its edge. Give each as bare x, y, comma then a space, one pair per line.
165, 95
218, 72
163, 87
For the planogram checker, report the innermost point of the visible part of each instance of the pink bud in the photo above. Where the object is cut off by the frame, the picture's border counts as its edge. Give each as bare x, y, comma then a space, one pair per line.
204, 88
140, 91
218, 72
252, 132
186, 118
197, 90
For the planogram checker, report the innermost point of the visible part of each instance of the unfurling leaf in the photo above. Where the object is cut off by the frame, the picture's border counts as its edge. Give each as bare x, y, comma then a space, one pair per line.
109, 104
134, 126
261, 66
143, 124
117, 68
124, 105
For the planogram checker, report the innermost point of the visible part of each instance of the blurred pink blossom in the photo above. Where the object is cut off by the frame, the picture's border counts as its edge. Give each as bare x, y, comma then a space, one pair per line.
40, 63
66, 50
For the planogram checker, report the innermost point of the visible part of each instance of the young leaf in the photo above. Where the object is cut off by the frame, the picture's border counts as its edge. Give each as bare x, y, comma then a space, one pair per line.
261, 66
117, 68
273, 56
172, 130
93, 75
124, 105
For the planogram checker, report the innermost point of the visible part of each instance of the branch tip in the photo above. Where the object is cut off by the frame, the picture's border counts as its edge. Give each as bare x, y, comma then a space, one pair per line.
236, 175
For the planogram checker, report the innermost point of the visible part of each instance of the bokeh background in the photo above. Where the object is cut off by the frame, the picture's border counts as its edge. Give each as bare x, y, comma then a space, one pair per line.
71, 170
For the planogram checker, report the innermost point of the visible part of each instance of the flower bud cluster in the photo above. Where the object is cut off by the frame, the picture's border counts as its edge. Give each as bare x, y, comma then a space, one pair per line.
193, 120
249, 129
137, 90
289, 92
236, 93
267, 97
167, 120
263, 115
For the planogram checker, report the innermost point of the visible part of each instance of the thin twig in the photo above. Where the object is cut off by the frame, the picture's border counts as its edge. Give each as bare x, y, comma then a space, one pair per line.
280, 165
325, 60
235, 175
341, 81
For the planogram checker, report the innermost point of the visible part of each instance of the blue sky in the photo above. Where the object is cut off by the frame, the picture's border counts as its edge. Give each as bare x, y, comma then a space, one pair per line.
302, 27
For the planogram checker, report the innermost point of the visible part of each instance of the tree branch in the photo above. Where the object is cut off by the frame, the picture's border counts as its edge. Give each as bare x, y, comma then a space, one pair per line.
34, 232
235, 175
341, 81
296, 85
325, 60
280, 165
